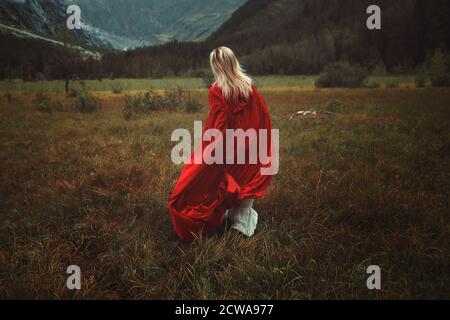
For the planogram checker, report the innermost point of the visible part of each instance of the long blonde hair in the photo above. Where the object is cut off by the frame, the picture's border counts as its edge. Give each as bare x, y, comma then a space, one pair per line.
229, 74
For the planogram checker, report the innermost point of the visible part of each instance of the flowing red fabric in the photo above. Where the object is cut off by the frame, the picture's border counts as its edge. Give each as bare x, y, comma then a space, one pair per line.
204, 192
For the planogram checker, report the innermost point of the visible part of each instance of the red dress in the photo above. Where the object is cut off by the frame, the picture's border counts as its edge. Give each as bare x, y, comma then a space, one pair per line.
204, 192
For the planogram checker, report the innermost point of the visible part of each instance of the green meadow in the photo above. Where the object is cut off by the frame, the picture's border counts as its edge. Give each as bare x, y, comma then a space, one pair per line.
273, 82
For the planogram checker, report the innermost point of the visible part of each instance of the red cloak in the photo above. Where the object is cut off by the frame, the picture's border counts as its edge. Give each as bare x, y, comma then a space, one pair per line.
204, 192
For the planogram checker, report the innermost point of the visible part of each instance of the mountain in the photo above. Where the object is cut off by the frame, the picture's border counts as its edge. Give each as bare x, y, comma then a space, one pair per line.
184, 20
48, 19
121, 24
269, 36
302, 36
312, 33
19, 33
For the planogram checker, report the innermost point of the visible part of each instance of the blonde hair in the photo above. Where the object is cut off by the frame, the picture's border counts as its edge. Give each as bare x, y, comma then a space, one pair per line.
229, 74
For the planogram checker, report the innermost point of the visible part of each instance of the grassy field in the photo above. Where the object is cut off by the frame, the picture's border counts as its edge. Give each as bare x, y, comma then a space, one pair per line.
367, 185
270, 82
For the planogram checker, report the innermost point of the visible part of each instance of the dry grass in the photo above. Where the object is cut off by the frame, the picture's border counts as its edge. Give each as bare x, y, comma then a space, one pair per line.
369, 185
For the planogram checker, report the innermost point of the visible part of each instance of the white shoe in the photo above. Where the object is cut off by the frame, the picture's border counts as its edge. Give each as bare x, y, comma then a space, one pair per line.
244, 217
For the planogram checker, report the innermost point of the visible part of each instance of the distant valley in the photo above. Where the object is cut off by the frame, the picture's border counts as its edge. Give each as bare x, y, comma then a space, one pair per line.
121, 24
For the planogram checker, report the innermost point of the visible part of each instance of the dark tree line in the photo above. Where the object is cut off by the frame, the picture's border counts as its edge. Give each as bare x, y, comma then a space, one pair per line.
171, 59
303, 36
270, 37
31, 59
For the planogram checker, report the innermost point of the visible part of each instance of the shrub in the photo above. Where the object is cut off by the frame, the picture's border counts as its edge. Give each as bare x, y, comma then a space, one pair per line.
208, 79
86, 103
205, 74
439, 69
174, 98
142, 103
117, 88
145, 103
152, 101
342, 74
192, 106
373, 85
44, 104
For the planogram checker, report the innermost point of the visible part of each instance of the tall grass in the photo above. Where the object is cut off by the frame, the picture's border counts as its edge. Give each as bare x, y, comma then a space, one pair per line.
366, 185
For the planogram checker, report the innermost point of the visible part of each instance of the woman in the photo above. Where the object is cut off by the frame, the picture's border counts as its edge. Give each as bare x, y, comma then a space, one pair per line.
206, 195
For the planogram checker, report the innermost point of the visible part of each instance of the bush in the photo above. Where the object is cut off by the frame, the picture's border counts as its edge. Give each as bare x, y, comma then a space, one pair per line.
205, 74
439, 69
373, 85
392, 84
342, 74
142, 103
145, 103
117, 88
44, 104
192, 105
174, 98
152, 101
420, 81
208, 79
86, 103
